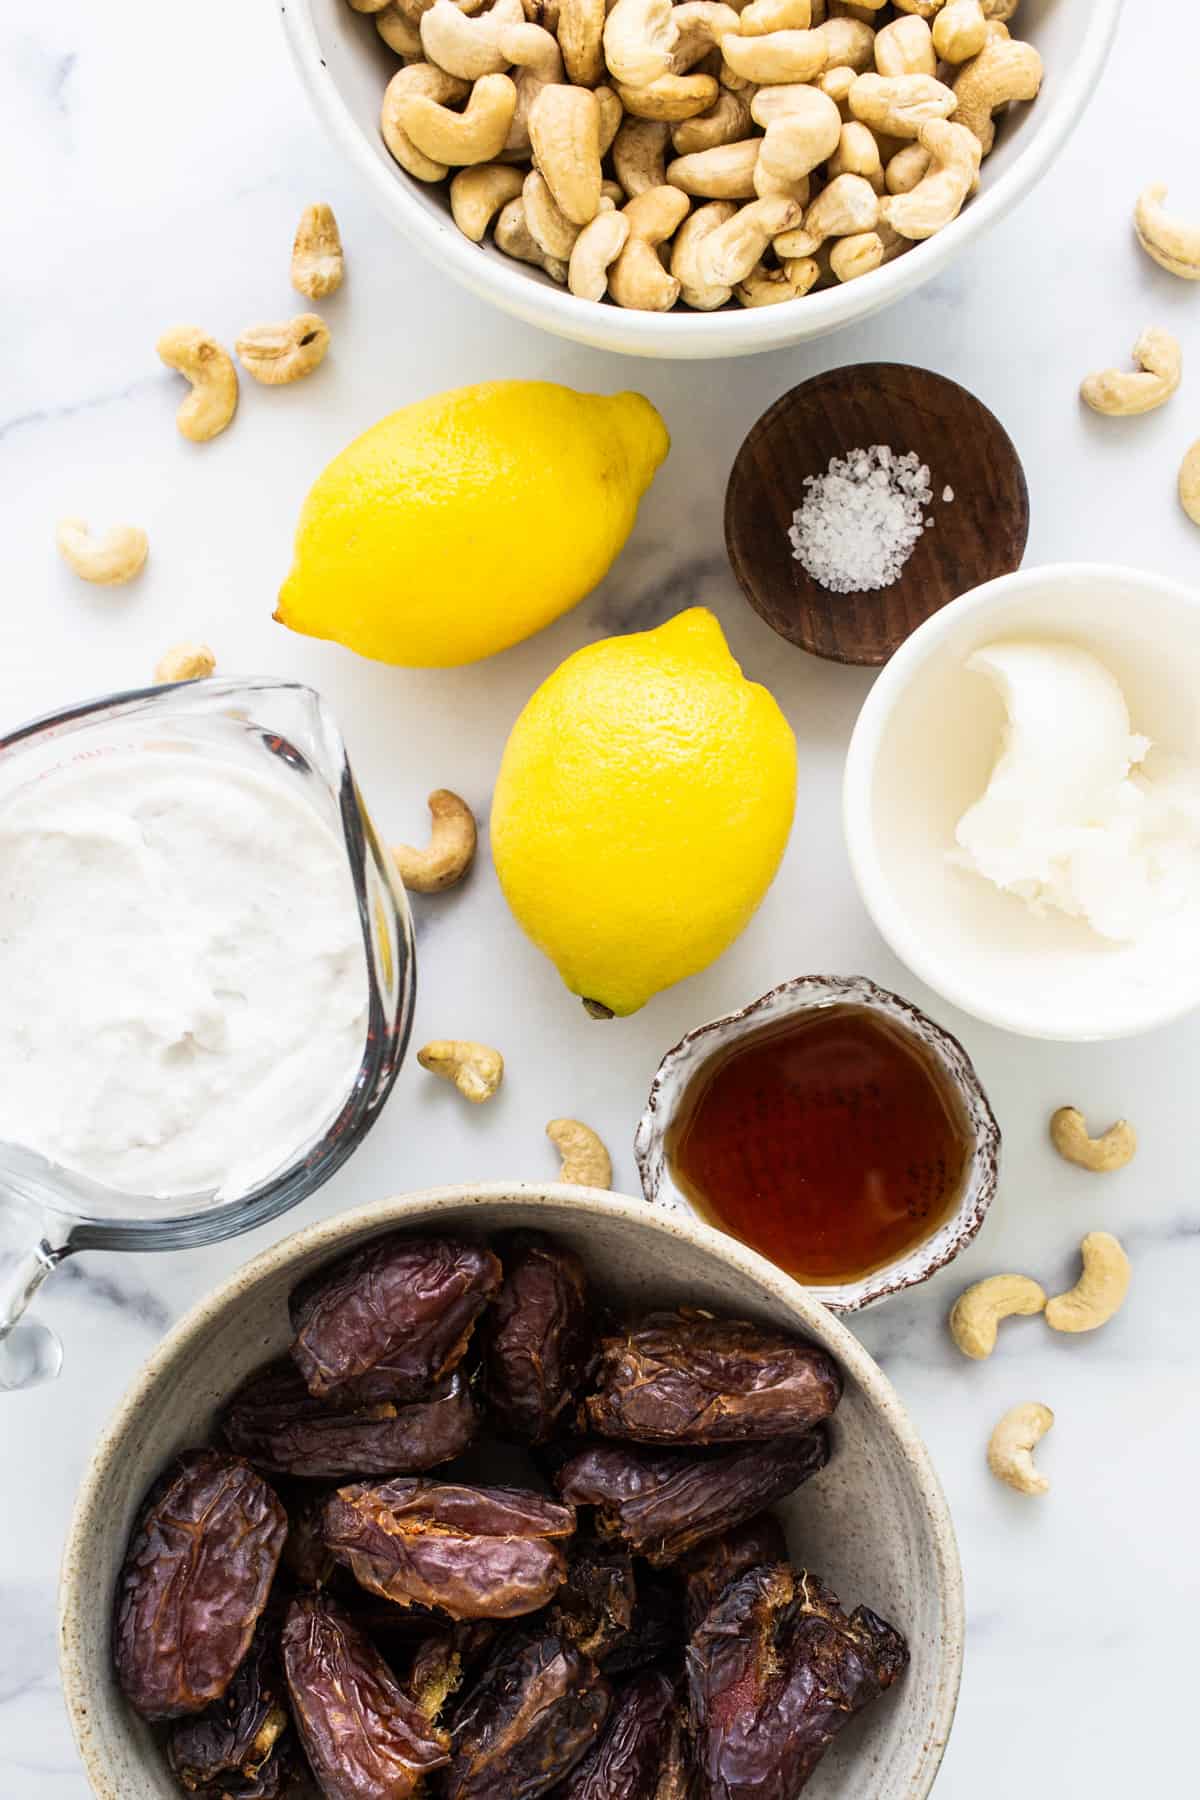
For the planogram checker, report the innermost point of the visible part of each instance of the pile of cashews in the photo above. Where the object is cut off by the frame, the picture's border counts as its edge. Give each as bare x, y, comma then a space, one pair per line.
700, 152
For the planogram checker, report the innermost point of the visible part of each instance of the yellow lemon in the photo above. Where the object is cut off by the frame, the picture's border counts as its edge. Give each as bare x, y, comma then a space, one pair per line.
643, 805
463, 524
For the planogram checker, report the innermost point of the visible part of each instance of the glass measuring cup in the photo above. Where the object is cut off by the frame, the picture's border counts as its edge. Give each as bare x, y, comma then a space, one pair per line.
283, 731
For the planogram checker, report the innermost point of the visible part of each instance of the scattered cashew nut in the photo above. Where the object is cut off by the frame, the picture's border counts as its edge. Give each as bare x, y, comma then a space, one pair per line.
977, 1312
1100, 1291
107, 561
1102, 1155
1173, 243
475, 1069
1010, 1451
185, 662
585, 1161
449, 852
1189, 483
275, 354
1121, 393
318, 261
214, 396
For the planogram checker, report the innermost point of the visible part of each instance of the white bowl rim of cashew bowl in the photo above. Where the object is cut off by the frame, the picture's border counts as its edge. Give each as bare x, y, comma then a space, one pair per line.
344, 72
922, 753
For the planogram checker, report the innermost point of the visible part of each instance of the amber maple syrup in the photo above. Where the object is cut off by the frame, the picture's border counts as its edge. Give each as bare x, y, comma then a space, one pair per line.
831, 1142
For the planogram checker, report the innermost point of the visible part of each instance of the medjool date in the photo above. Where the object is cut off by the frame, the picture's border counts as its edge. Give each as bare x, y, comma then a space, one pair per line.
712, 1567
364, 1737
235, 1746
533, 1710
536, 1339
594, 1607
656, 1633
663, 1502
474, 1553
279, 1426
392, 1319
197, 1572
774, 1672
685, 1378
626, 1760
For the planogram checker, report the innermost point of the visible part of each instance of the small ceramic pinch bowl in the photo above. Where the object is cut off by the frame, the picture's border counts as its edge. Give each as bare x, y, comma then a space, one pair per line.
874, 1522
680, 1066
921, 753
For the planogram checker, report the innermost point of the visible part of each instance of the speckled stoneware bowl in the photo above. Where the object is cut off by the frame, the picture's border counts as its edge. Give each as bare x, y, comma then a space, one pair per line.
874, 1522
689, 1056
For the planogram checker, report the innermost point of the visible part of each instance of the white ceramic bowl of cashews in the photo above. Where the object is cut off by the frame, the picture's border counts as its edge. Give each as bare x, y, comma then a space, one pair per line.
744, 105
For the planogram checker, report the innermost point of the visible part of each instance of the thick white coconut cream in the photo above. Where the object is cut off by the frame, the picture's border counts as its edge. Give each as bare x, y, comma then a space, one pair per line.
182, 971
1080, 814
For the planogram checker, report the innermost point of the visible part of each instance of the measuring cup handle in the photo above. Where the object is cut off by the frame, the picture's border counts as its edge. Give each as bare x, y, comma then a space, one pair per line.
30, 1353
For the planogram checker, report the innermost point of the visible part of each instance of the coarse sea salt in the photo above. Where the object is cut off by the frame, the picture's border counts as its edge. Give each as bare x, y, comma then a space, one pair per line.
858, 523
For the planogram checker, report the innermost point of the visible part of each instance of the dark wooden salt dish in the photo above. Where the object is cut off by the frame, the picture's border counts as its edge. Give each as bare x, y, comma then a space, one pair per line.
979, 535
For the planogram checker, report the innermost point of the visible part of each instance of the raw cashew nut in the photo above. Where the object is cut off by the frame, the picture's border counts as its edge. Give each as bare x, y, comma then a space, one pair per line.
1100, 1291
977, 1312
475, 1069
474, 135
515, 239
639, 36
859, 254
848, 206
1189, 483
905, 47
836, 85
185, 662
564, 129
725, 122
596, 248
585, 1161
318, 262
434, 84
726, 173
778, 56
809, 108
399, 33
108, 561
858, 154
905, 169
923, 9
551, 228
1123, 392
275, 354
1173, 243
537, 62
1102, 1155
764, 16
695, 290
1005, 70
449, 852
899, 105
580, 38
1010, 1451
467, 46
703, 26
960, 31
637, 279
478, 193
637, 153
671, 97
782, 159
214, 396
729, 254
790, 281
954, 157
849, 44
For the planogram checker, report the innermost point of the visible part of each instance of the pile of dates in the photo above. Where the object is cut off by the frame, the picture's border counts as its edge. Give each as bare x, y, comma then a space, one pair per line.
307, 1611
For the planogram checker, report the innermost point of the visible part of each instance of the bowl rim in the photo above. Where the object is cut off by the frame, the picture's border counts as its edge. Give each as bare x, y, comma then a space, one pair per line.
537, 301
423, 1205
916, 1265
861, 758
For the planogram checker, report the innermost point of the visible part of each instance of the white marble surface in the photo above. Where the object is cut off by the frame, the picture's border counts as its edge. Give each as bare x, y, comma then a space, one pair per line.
156, 159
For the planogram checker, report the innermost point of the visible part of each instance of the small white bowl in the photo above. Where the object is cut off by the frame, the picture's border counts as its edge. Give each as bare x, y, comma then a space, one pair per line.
346, 67
689, 1056
922, 751
874, 1522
